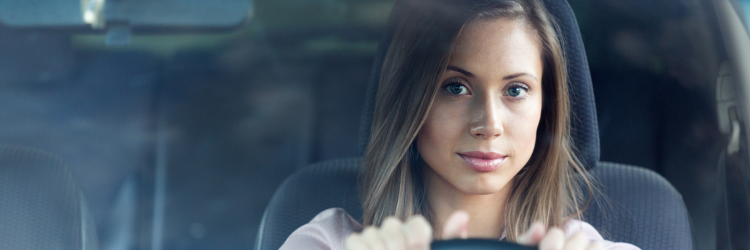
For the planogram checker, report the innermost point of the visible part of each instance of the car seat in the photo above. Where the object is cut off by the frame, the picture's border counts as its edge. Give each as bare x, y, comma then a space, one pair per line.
41, 207
640, 207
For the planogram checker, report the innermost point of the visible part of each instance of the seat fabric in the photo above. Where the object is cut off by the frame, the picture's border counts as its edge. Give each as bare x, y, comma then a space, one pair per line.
641, 207
41, 206
306, 193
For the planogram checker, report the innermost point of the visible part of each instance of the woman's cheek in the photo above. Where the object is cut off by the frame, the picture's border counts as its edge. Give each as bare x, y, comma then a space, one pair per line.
522, 126
441, 132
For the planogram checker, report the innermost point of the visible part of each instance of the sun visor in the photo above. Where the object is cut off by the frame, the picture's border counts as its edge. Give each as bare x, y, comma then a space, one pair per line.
161, 15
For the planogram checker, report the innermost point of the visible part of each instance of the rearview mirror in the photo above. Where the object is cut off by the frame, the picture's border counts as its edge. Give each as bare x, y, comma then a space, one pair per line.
134, 14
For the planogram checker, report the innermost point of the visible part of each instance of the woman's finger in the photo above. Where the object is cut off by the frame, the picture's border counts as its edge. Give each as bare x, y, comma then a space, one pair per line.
418, 233
595, 246
533, 236
371, 237
354, 242
392, 233
576, 242
554, 240
457, 226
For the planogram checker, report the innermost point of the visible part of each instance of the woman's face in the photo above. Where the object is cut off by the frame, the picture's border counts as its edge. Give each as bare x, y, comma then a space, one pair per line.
482, 126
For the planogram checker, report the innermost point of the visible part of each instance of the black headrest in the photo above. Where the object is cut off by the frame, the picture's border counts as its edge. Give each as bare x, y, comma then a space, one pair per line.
41, 206
584, 130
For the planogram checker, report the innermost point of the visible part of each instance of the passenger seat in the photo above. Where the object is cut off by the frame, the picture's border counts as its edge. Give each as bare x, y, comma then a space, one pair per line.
41, 206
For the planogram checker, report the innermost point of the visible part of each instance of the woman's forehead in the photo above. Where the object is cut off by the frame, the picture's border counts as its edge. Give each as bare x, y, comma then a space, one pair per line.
498, 47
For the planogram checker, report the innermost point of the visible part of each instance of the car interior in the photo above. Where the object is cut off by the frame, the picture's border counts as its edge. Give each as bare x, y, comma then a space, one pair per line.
227, 124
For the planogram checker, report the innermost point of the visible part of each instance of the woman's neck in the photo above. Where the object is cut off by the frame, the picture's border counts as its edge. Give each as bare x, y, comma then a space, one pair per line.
486, 211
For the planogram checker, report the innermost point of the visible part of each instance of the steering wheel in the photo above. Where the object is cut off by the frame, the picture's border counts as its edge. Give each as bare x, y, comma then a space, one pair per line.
477, 244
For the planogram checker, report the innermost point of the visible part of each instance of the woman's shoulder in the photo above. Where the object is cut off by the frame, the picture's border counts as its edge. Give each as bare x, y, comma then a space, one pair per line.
575, 226
327, 230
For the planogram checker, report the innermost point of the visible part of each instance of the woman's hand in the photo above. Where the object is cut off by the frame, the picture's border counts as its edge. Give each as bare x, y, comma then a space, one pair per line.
414, 234
554, 239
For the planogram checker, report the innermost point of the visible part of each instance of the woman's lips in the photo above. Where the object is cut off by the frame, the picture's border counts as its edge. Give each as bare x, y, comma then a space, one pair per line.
481, 161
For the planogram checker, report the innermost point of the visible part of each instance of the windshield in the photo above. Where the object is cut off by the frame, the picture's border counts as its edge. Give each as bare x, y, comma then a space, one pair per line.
179, 136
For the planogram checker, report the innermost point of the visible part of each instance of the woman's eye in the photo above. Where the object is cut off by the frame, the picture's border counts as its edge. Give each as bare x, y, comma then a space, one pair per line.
456, 89
516, 91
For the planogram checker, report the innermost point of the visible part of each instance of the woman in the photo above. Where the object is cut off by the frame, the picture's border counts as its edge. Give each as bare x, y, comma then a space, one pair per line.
470, 135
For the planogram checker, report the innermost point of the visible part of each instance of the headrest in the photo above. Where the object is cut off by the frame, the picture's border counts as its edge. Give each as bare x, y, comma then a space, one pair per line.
41, 206
584, 128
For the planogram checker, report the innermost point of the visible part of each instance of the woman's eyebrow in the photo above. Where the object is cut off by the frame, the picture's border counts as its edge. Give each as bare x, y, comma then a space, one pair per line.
460, 70
519, 75
469, 74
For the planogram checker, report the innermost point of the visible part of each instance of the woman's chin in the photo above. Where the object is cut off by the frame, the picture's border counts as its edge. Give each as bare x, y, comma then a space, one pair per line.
480, 191
482, 187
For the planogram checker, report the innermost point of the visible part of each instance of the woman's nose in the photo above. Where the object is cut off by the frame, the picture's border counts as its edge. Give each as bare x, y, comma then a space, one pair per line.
487, 122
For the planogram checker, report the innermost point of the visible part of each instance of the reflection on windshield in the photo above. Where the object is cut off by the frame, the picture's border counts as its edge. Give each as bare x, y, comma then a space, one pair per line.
228, 115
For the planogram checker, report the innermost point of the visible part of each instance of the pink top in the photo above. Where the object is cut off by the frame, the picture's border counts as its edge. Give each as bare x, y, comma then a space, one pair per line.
329, 228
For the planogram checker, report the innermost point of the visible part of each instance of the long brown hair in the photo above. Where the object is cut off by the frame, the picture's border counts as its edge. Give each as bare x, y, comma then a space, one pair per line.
391, 177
